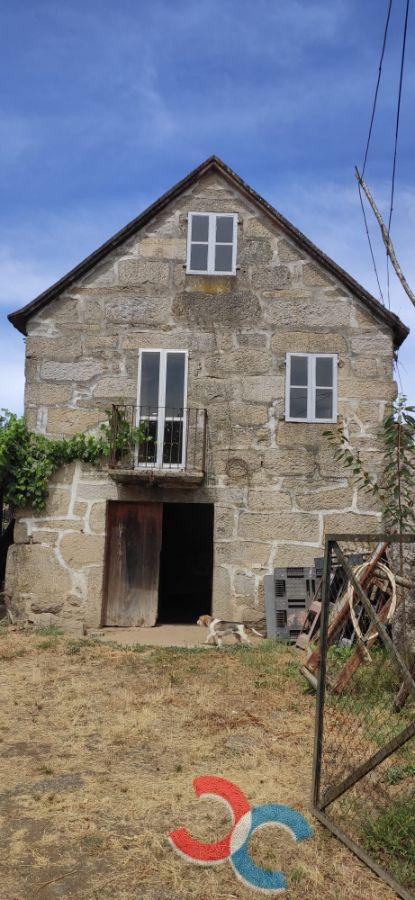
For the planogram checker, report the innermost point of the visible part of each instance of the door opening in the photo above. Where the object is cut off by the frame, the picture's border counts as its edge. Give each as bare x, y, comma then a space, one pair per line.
186, 562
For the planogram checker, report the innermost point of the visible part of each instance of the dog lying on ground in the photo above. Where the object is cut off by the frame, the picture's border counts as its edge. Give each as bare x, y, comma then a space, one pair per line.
217, 629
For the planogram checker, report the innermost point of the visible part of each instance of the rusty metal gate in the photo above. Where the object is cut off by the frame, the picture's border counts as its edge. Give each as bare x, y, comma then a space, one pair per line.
364, 755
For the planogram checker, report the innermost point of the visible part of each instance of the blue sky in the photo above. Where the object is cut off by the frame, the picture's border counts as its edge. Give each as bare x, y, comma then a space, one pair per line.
105, 105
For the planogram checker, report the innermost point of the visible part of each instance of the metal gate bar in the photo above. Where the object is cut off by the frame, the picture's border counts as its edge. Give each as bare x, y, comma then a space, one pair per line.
340, 711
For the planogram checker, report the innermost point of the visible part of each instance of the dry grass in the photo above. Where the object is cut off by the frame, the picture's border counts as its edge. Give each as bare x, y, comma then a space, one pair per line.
99, 747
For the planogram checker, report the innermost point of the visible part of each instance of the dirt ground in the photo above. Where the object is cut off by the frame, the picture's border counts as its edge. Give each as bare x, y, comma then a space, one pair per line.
99, 745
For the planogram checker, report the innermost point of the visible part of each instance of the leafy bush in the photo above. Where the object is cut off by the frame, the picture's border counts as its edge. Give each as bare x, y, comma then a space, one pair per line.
28, 460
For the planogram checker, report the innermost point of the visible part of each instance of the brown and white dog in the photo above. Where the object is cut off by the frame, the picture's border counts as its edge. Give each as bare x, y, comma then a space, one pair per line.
218, 628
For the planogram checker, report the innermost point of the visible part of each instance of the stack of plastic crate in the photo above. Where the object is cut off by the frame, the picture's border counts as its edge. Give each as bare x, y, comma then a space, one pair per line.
288, 594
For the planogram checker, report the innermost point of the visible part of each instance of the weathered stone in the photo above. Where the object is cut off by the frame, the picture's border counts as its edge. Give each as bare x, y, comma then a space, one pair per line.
206, 310
292, 434
80, 509
375, 344
63, 349
270, 526
258, 340
81, 549
225, 523
271, 499
296, 555
257, 251
163, 247
257, 228
138, 311
45, 394
116, 387
70, 421
20, 535
34, 569
83, 370
244, 362
276, 278
315, 276
65, 309
283, 461
94, 343
93, 609
308, 342
234, 413
45, 536
97, 518
339, 498
105, 490
63, 475
366, 389
288, 252
287, 311
351, 523
247, 553
142, 271
46, 605
261, 387
244, 585
57, 503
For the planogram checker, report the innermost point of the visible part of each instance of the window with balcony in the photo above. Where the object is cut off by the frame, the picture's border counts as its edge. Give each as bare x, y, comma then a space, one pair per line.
161, 411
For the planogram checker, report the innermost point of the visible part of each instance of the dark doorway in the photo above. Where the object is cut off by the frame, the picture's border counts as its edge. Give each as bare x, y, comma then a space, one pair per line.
186, 562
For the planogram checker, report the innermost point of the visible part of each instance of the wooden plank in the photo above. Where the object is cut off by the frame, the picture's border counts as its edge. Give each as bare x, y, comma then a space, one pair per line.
134, 544
358, 658
314, 660
383, 634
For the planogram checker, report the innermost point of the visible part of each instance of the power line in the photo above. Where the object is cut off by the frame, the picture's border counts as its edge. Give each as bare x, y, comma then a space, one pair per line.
370, 245
395, 149
375, 99
372, 119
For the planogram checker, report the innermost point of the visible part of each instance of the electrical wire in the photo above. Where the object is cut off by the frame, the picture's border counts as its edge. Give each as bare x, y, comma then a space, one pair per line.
395, 149
375, 99
372, 119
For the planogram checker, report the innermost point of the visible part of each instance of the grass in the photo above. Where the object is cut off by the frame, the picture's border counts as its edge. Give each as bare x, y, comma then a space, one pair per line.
99, 745
390, 836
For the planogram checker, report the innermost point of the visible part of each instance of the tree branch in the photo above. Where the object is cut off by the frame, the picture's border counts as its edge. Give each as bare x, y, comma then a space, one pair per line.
386, 239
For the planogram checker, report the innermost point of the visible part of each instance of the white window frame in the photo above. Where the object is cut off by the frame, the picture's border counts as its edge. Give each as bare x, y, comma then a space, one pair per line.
311, 387
212, 243
161, 404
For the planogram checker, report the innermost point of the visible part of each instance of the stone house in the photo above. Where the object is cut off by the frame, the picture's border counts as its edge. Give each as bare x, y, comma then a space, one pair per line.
233, 340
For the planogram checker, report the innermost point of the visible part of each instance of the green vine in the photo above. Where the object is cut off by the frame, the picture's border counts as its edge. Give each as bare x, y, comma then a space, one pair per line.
28, 460
395, 486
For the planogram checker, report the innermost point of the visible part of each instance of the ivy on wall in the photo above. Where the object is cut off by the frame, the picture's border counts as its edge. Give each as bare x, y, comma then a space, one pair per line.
28, 460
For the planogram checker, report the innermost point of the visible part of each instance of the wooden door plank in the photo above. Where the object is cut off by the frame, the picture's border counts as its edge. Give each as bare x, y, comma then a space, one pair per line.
134, 544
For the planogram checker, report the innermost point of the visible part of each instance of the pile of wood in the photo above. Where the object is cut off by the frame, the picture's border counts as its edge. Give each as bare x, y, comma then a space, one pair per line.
359, 612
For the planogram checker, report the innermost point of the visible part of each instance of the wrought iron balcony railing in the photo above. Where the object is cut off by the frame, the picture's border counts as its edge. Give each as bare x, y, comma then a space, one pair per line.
158, 438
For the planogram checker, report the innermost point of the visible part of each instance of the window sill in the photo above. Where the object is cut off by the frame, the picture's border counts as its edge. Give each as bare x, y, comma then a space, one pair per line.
310, 421
211, 274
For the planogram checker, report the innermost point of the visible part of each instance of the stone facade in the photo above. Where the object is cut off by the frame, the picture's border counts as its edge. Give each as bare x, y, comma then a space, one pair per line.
275, 486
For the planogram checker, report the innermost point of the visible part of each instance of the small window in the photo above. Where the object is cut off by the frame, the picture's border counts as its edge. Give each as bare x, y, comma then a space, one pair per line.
311, 387
211, 244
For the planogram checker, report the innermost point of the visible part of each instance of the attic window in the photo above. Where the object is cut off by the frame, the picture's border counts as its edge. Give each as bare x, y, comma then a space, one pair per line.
311, 387
211, 243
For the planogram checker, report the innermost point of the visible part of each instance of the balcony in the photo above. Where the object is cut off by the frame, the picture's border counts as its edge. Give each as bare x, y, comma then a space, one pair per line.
158, 445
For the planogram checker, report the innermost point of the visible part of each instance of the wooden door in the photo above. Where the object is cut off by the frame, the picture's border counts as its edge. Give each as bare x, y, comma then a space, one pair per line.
133, 556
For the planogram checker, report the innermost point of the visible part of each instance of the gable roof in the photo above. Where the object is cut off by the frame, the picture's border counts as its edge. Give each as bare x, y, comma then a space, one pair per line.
20, 317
